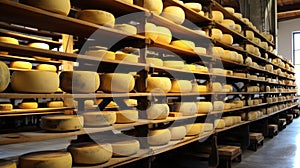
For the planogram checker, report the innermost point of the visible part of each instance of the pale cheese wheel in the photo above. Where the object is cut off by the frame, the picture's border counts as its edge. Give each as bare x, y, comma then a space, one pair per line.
154, 61
158, 111
216, 87
200, 50
227, 39
219, 123
257, 41
177, 133
155, 6
98, 17
189, 67
117, 82
6, 107
62, 123
218, 51
217, 16
174, 13
229, 55
151, 31
127, 1
158, 84
9, 40
264, 45
35, 81
202, 13
184, 44
159, 137
219, 71
181, 86
21, 65
208, 127
125, 148
103, 54
164, 35
238, 103
230, 24
194, 6
174, 64
227, 88
103, 118
216, 34
238, 15
238, 28
90, 153
237, 119
203, 89
270, 37
62, 7
127, 28
218, 105
186, 108
227, 106
249, 34
126, 57
8, 164
229, 9
46, 159
126, 116
228, 121
269, 67
46, 67
204, 107
79, 81
55, 104
248, 61
40, 45
194, 129
250, 48
5, 76
239, 74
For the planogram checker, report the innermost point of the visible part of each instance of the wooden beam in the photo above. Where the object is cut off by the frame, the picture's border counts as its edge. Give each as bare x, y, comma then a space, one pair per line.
288, 15
291, 7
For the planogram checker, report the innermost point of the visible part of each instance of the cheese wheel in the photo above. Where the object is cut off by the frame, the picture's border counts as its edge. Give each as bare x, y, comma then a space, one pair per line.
238, 15
269, 67
90, 153
159, 137
194, 129
227, 106
127, 28
237, 119
257, 41
8, 164
200, 50
189, 67
264, 45
55, 104
9, 40
158, 111
6, 107
177, 133
203, 89
227, 88
155, 6
246, 21
164, 35
228, 72
103, 54
240, 58
154, 61
218, 105
219, 123
34, 81
62, 123
184, 44
197, 7
46, 159
125, 148
217, 16
216, 87
127, 1
248, 61
186, 108
126, 116
202, 13
126, 57
40, 45
238, 74
174, 13
98, 17
79, 81
62, 7
229, 9
174, 64
204, 107
216, 34
181, 86
238, 103
249, 34
158, 84
117, 82
218, 51
202, 69
103, 118
46, 67
230, 24
5, 76
21, 65
208, 127
227, 39
238, 28
151, 31
228, 121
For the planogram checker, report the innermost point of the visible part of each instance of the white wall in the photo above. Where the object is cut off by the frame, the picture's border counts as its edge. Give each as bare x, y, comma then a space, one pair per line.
285, 30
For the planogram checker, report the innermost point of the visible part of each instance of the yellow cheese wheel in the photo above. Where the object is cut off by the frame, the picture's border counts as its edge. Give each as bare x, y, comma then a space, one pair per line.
216, 87
126, 116
79, 81
186, 108
229, 9
269, 67
208, 127
159, 137
239, 74
202, 69
194, 129
155, 6
249, 34
21, 65
158, 111
240, 58
40, 45
189, 67
174, 64
62, 7
125, 148
181, 86
184, 44
104, 118
246, 21
127, 1
117, 82
228, 121
158, 84
227, 106
9, 40
230, 24
238, 103
248, 61
174, 13
34, 81
97, 16
103, 54
227, 39
177, 133
90, 153
238, 28
228, 72
197, 7
218, 105
216, 34
127, 28
218, 51
151, 31
203, 89
238, 15
46, 159
219, 123
204, 107
200, 50
55, 104
217, 16
164, 35
6, 107
61, 123
227, 88
154, 61
237, 119
126, 57
257, 41
5, 76
264, 45
202, 13
46, 67
8, 164
217, 71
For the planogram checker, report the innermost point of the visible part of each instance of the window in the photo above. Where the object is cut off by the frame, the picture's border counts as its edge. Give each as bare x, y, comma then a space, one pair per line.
296, 56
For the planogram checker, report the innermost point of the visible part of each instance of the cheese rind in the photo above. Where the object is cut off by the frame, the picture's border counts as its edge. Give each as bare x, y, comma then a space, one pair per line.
216, 34
126, 57
125, 148
217, 16
186, 108
204, 107
174, 13
159, 137
8, 164
194, 129
9, 40
46, 67
177, 133
184, 44
103, 54
117, 82
62, 7
62, 123
4, 76
151, 31
219, 123
164, 35
227, 39
174, 64
6, 107
155, 6
155, 61
194, 6
103, 118
21, 65
181, 86
97, 16
218, 105
158, 111
158, 84
28, 105
127, 28
126, 116
55, 104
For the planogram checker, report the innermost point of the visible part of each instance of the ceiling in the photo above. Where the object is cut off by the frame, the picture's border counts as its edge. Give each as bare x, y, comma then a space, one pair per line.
288, 9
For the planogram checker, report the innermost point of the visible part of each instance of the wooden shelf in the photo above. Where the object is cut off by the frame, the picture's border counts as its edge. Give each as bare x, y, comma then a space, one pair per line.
231, 127
259, 105
32, 60
235, 35
33, 111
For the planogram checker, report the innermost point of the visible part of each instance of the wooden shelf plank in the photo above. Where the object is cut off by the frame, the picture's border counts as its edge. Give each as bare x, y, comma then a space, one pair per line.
39, 110
31, 114
32, 60
231, 127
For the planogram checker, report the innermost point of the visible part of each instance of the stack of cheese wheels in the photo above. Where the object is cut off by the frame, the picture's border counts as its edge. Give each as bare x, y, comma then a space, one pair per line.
216, 34
181, 86
103, 118
79, 81
34, 81
155, 6
5, 76
123, 147
164, 35
40, 46
230, 24
227, 39
89, 153
218, 105
46, 159
184, 44
186, 108
8, 40
117, 82
127, 28
158, 111
158, 84
8, 164
46, 67
62, 7
6, 107
177, 132
97, 16
159, 137
174, 13
151, 31
204, 107
228, 121
62, 123
21, 65
126, 116
219, 123
174, 64
28, 105
194, 129
101, 53
216, 87
155, 61
217, 16
218, 51
55, 104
